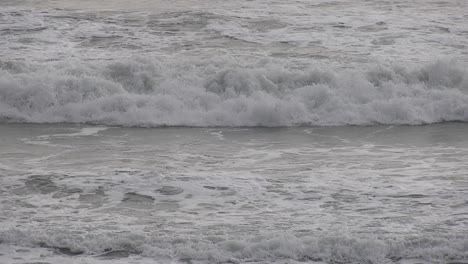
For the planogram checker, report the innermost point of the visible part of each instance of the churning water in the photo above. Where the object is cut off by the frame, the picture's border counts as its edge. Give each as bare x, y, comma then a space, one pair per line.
262, 131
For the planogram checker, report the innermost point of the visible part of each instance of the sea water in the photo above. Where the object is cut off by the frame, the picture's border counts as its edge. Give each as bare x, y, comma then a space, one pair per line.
233, 131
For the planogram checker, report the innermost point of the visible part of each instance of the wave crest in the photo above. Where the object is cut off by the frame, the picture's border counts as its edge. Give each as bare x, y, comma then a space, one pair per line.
150, 92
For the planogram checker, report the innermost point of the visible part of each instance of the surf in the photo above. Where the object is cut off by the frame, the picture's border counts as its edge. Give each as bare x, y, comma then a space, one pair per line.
154, 92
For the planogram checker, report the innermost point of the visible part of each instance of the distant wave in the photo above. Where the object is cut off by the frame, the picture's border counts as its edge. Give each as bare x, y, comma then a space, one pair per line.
150, 92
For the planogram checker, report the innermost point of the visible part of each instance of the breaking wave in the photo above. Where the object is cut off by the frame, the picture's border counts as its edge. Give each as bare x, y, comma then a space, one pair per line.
321, 247
224, 92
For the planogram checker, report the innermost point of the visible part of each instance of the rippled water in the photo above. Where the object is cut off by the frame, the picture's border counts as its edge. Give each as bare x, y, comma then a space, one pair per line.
306, 31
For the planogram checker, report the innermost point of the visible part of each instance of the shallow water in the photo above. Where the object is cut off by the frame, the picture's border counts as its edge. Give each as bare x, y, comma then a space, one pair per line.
353, 194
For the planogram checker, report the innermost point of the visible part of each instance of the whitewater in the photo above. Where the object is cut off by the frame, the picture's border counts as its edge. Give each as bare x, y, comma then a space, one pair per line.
256, 131
144, 92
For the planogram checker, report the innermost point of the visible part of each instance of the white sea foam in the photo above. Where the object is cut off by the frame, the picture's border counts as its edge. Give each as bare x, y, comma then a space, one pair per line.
320, 247
86, 131
225, 92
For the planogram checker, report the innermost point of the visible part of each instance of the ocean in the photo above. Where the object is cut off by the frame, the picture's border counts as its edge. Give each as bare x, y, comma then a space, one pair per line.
251, 131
